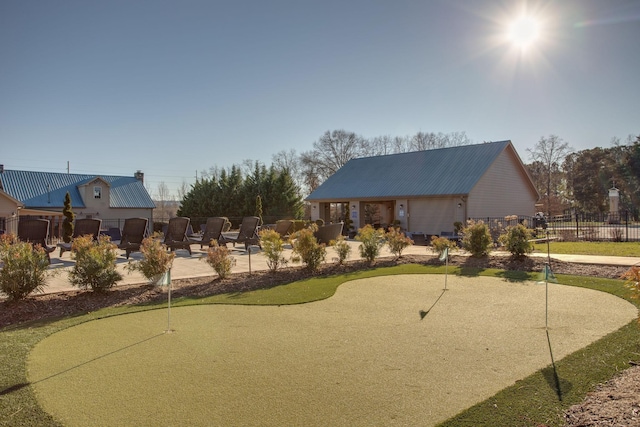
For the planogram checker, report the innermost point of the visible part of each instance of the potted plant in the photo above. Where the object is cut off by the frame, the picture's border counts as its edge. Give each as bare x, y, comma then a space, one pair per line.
156, 261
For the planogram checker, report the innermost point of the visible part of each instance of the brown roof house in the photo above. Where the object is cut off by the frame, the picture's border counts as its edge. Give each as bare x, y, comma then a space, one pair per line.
427, 191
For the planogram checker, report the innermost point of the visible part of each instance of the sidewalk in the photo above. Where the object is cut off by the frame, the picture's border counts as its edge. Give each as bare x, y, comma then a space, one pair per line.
185, 266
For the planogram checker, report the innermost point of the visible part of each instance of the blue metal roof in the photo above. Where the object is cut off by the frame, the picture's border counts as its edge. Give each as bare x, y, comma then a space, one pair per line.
440, 172
48, 189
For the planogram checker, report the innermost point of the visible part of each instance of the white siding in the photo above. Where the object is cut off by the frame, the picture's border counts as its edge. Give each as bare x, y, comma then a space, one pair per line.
502, 191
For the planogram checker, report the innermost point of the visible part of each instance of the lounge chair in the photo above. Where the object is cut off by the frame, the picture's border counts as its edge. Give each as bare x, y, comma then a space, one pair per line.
248, 233
283, 228
133, 232
212, 232
36, 232
82, 227
176, 235
326, 233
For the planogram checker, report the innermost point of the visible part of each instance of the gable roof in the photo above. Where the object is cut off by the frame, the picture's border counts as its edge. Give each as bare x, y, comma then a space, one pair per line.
439, 172
48, 189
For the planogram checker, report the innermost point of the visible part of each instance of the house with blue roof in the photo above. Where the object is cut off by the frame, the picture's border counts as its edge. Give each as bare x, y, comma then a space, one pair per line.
427, 191
41, 194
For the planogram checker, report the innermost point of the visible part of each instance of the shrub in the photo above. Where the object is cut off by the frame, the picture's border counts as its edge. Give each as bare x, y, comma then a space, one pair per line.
95, 265
617, 234
477, 238
67, 224
439, 244
218, 257
273, 247
307, 249
156, 260
371, 241
516, 240
632, 280
342, 248
24, 267
457, 227
397, 241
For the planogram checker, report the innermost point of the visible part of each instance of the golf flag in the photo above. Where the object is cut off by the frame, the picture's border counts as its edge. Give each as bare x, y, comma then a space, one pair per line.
547, 275
444, 254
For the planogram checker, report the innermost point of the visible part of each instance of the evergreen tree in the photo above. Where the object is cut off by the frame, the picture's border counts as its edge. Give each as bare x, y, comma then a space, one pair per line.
259, 207
67, 224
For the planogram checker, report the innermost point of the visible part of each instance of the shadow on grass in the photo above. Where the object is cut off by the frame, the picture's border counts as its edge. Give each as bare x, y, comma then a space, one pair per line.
513, 276
470, 271
424, 313
13, 388
550, 374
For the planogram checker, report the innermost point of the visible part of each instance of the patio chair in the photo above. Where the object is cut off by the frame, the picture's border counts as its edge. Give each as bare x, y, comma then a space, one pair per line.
133, 231
327, 233
248, 233
283, 228
176, 235
212, 231
36, 232
82, 227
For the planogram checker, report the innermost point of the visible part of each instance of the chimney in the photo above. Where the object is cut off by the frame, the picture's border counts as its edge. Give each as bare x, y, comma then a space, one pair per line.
139, 175
1, 168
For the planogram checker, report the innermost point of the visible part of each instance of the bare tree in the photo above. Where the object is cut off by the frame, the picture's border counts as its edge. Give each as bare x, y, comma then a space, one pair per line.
291, 162
330, 152
183, 189
164, 202
550, 152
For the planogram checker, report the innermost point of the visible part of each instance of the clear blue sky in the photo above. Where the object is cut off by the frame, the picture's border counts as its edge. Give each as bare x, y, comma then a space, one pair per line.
175, 87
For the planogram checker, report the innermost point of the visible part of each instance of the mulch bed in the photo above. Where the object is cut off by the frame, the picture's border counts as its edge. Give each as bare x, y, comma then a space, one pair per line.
615, 403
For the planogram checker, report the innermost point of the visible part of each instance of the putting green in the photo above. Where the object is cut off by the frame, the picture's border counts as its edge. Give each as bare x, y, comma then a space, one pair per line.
362, 357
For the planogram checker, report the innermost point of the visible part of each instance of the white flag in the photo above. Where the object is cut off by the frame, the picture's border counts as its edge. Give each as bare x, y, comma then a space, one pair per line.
444, 254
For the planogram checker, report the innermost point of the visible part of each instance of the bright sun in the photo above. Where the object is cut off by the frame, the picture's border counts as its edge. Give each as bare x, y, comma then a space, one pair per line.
523, 32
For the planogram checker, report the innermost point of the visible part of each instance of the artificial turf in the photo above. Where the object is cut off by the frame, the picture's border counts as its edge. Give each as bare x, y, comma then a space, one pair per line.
530, 401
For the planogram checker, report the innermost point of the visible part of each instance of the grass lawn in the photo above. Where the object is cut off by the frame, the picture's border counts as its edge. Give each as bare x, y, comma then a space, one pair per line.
631, 249
531, 401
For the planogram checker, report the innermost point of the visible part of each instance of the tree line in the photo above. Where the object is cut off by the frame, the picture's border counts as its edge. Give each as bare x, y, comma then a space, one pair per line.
268, 192
569, 180
565, 179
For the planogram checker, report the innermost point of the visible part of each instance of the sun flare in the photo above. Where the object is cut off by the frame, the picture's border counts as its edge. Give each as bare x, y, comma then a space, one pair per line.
523, 32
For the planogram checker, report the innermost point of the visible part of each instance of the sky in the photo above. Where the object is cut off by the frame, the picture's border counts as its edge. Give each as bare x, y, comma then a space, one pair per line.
174, 88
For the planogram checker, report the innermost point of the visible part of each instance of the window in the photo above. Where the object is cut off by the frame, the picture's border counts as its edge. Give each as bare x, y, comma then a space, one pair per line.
97, 192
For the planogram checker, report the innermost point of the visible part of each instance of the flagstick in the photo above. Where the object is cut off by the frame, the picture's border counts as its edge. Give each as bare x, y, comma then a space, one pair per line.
547, 269
546, 291
168, 331
446, 269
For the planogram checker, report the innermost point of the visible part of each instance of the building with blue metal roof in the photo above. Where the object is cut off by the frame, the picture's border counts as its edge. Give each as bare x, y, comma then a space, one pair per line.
427, 191
110, 198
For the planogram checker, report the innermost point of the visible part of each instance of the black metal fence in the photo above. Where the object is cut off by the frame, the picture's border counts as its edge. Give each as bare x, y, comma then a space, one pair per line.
580, 226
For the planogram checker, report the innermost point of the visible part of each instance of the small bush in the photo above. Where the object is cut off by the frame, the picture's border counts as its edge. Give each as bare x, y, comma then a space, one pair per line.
632, 280
397, 241
371, 241
342, 249
617, 234
590, 233
567, 235
516, 240
24, 267
439, 244
307, 249
477, 238
219, 258
95, 265
156, 260
273, 247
